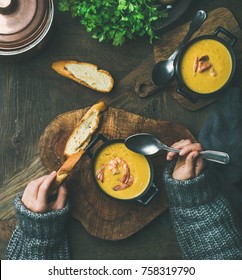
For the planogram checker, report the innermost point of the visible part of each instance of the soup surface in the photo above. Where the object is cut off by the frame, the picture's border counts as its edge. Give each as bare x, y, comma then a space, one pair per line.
121, 173
216, 61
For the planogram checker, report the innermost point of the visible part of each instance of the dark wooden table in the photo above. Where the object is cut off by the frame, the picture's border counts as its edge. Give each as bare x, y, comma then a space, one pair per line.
32, 95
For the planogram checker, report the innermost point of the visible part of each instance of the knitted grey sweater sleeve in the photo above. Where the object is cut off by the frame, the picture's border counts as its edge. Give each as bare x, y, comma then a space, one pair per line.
39, 236
204, 222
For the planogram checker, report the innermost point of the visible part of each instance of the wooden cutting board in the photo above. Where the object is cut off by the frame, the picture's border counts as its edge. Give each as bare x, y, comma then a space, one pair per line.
102, 216
170, 40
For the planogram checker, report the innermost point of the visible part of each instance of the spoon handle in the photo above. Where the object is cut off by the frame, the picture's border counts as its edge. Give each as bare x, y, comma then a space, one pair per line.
215, 156
196, 23
170, 149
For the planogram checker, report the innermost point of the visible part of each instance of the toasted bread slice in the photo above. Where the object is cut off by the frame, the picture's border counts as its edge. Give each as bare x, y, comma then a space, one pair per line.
84, 130
85, 73
66, 169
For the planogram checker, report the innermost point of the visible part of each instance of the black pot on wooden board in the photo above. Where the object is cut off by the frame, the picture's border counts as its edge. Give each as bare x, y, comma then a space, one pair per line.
149, 191
228, 43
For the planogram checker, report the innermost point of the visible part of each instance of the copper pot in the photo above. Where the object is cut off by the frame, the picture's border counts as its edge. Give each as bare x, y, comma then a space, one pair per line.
24, 27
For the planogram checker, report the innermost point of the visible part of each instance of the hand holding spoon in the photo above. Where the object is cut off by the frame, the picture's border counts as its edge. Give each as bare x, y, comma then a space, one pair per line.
146, 144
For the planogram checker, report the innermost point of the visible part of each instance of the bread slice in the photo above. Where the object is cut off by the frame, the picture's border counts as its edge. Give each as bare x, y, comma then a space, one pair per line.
81, 135
66, 170
85, 73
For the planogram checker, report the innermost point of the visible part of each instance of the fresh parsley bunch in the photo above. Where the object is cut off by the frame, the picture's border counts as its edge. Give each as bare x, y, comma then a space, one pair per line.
116, 20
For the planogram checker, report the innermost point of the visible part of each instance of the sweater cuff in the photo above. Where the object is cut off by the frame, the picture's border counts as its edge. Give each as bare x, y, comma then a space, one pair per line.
189, 193
41, 225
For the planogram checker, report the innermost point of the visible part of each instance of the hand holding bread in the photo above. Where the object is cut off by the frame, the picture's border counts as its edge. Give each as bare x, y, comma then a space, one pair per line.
66, 169
77, 142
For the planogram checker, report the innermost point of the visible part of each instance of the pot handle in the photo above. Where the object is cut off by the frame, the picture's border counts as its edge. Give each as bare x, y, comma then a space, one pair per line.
146, 198
98, 138
224, 31
193, 97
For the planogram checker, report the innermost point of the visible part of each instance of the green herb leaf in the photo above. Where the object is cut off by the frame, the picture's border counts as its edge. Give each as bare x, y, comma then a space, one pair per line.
116, 20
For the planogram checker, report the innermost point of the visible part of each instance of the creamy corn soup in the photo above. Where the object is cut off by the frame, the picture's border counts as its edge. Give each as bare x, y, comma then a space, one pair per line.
120, 172
215, 57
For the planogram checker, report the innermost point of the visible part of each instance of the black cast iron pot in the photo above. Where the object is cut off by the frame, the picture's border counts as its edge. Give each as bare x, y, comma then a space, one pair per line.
150, 191
228, 43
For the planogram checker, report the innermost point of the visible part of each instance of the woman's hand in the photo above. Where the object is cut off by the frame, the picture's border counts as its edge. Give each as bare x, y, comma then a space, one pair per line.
35, 196
189, 164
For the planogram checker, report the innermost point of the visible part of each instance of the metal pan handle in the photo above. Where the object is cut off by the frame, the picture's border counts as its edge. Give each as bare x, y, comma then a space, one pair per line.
224, 31
184, 91
97, 138
147, 197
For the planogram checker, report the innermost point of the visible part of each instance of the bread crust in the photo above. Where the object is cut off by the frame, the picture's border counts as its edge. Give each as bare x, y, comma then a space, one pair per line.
96, 109
66, 170
60, 68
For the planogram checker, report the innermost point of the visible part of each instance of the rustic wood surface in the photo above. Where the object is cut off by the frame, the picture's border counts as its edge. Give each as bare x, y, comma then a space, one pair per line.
32, 95
102, 216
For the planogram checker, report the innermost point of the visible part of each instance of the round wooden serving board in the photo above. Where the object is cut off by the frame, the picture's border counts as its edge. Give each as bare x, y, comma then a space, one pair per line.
101, 215
170, 40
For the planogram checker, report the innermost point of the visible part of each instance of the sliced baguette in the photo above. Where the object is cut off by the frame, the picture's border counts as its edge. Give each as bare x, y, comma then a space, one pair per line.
85, 73
81, 135
66, 170
76, 143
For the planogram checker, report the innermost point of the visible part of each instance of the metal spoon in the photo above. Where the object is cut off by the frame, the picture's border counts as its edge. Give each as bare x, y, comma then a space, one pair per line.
163, 71
146, 144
